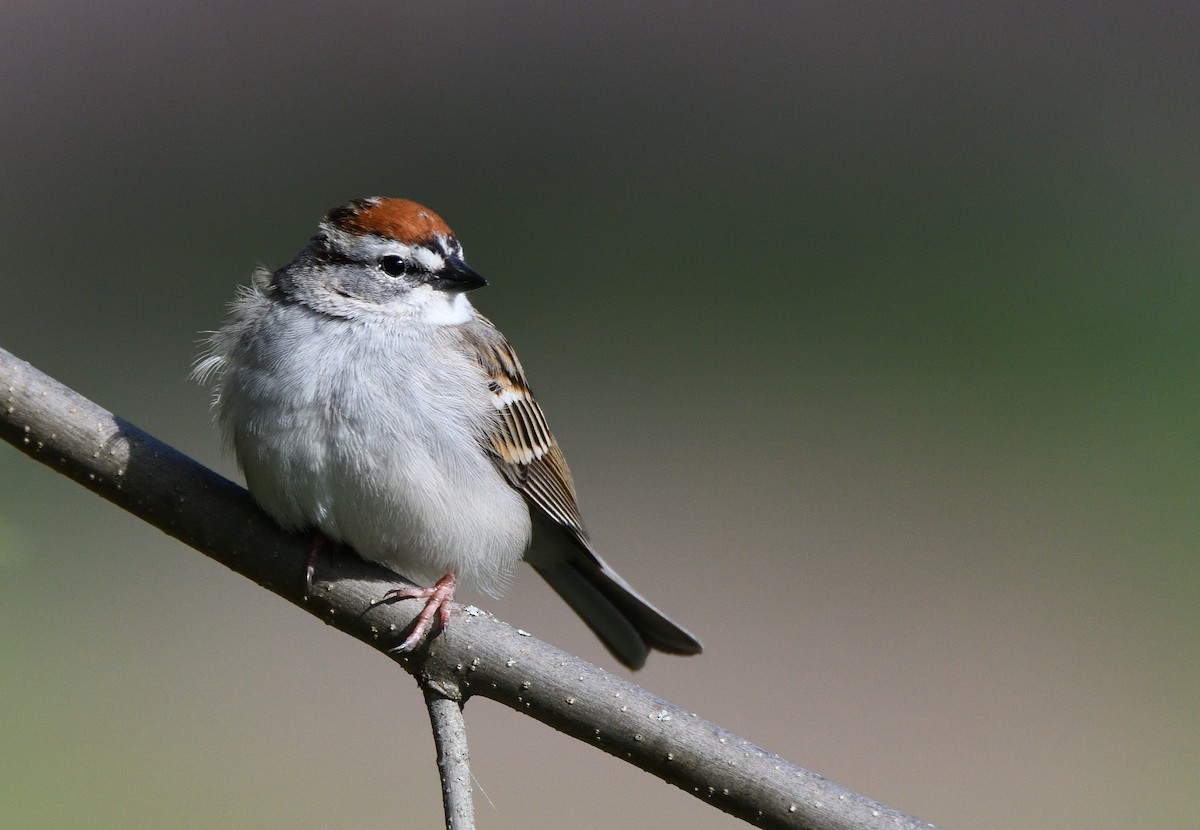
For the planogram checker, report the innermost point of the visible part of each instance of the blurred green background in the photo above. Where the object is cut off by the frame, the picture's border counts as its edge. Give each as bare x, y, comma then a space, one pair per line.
869, 329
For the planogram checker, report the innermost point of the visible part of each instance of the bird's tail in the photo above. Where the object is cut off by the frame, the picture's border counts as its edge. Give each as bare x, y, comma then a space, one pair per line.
624, 621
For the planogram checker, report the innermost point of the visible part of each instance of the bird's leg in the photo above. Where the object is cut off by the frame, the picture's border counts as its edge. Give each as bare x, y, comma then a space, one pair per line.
310, 564
437, 601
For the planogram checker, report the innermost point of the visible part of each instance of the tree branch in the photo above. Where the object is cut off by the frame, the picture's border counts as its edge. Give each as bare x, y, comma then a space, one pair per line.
481, 655
450, 738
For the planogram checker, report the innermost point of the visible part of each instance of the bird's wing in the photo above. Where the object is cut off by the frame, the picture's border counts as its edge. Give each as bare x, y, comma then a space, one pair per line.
520, 443
527, 455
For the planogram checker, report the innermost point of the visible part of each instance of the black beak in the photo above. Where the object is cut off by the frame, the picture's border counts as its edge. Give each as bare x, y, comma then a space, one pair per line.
457, 276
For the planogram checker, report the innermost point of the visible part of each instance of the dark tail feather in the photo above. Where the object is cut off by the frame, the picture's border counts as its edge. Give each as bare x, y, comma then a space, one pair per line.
626, 623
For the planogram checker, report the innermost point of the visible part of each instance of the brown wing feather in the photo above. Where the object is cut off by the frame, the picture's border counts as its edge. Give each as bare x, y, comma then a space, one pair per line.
527, 455
521, 445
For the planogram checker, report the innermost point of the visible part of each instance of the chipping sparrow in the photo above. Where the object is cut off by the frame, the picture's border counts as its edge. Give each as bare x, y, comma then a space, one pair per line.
366, 399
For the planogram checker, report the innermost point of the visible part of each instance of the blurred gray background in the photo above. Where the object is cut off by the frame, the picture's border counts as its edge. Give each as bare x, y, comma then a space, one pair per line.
870, 333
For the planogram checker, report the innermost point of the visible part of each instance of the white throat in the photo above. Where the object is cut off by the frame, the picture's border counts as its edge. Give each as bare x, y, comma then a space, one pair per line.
446, 309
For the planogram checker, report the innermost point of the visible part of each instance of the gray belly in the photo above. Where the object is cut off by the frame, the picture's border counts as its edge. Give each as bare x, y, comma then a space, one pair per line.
377, 448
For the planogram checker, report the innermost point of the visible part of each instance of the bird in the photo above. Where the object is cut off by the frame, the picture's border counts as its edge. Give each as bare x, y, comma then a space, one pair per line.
369, 402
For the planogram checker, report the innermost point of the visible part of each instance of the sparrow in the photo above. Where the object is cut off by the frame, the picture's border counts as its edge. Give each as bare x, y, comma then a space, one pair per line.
368, 401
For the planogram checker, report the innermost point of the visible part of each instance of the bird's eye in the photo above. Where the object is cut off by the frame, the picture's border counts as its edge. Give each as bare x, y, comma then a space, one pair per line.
393, 266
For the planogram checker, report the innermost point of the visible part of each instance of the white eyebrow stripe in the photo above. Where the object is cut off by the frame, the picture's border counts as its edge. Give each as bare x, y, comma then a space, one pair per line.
369, 247
427, 259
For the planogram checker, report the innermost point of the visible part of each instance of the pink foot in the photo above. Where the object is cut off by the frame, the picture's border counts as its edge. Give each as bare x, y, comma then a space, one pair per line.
437, 601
